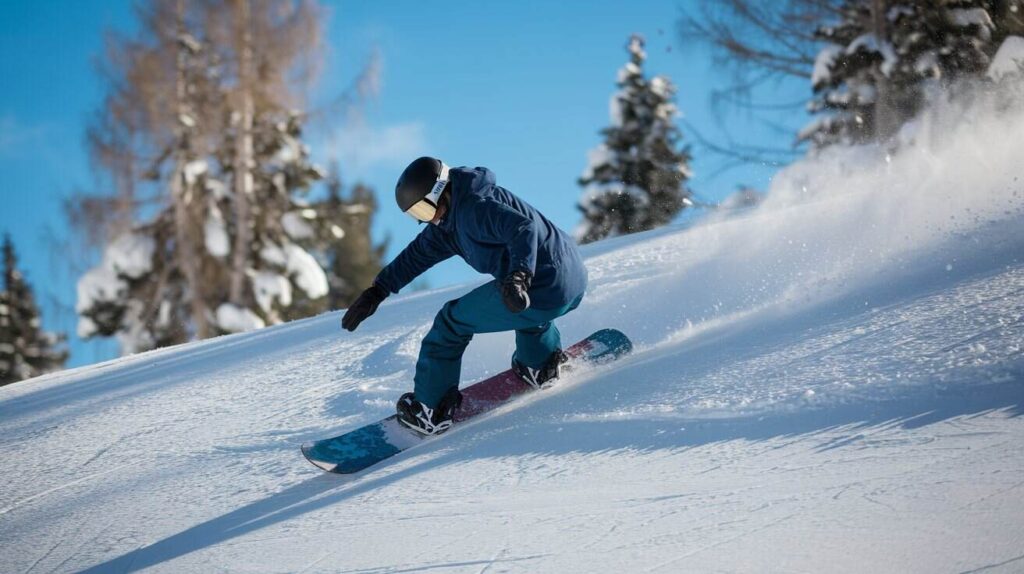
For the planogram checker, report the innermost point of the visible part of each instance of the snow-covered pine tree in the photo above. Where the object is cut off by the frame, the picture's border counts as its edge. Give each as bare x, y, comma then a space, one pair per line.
283, 281
883, 56
636, 179
272, 276
151, 286
25, 349
172, 276
344, 245
1006, 73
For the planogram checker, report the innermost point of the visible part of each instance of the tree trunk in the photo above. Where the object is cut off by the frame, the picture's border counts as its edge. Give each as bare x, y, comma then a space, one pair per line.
181, 194
124, 178
243, 162
886, 114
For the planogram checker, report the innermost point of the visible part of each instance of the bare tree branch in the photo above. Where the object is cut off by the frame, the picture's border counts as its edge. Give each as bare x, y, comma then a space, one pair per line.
739, 154
759, 43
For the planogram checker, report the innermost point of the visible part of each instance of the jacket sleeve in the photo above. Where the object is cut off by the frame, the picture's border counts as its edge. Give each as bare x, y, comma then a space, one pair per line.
426, 250
500, 223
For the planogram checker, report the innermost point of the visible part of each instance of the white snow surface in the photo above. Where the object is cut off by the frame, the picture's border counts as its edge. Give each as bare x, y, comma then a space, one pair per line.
274, 255
308, 274
831, 381
823, 64
235, 319
100, 283
131, 255
971, 17
194, 170
662, 86
1009, 59
296, 226
269, 287
215, 233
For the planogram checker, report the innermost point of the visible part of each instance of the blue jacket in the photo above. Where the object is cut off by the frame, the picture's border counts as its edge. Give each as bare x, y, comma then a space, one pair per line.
496, 233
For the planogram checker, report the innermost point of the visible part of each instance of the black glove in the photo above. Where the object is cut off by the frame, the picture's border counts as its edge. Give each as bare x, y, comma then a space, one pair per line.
514, 291
365, 305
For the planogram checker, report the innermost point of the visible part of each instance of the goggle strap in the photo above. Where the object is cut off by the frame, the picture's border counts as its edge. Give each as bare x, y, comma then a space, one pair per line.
442, 180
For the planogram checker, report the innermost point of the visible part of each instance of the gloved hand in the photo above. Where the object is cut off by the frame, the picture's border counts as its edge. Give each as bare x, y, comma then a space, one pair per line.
514, 290
364, 306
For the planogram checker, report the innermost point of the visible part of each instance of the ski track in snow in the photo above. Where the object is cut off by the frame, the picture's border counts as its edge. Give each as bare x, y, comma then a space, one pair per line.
804, 396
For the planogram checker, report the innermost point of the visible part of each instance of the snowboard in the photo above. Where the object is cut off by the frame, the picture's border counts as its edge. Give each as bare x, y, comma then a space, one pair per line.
366, 446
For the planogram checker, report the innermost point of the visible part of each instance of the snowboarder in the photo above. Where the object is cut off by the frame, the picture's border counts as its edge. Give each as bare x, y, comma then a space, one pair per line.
539, 276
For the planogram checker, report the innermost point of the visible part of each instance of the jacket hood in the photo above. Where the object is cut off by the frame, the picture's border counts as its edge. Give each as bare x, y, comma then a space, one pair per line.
465, 180
473, 178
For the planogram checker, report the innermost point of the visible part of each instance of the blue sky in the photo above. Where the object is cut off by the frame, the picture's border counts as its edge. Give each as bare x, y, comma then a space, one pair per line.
520, 87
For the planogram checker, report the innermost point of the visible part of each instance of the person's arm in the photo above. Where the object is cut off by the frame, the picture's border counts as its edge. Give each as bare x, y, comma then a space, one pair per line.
499, 223
428, 249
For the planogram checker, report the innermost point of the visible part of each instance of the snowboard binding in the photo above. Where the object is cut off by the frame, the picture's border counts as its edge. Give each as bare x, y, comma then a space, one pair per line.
425, 420
546, 375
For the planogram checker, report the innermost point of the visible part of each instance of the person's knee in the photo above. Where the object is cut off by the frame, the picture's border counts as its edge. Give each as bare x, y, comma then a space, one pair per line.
445, 319
448, 327
535, 330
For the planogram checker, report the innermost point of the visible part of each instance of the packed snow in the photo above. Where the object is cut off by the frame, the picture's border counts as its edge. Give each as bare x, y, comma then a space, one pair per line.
832, 380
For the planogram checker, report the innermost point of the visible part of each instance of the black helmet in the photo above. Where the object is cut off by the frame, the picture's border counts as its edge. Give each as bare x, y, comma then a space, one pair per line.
419, 187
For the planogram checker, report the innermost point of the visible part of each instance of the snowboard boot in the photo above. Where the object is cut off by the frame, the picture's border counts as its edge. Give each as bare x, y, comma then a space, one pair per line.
424, 419
544, 376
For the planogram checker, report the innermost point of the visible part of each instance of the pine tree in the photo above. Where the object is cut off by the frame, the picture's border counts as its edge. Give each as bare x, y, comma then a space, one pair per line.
883, 57
636, 179
25, 349
344, 244
881, 61
220, 243
283, 280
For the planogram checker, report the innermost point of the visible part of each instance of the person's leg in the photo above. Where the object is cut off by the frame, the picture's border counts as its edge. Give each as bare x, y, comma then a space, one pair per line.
440, 360
535, 344
439, 366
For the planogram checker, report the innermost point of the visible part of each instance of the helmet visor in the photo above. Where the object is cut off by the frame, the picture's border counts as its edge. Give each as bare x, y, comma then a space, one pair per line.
423, 210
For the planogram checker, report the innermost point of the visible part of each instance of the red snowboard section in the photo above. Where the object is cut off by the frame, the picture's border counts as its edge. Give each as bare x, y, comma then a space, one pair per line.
493, 392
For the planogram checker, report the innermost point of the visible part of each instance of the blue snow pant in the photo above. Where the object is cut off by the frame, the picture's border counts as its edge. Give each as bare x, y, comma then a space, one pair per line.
439, 366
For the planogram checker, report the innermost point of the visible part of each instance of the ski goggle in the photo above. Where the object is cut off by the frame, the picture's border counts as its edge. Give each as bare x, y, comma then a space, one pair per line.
425, 209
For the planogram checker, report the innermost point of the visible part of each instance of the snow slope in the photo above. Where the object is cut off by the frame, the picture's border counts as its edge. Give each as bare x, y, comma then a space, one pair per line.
831, 382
